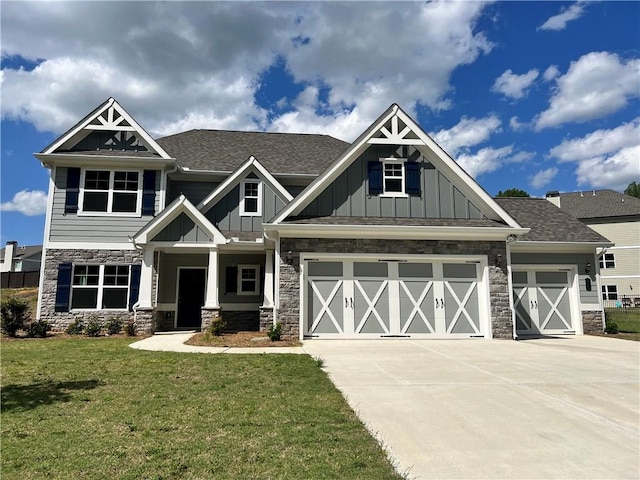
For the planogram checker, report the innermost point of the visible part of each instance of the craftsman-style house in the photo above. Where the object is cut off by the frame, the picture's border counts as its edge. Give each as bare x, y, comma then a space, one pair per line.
383, 237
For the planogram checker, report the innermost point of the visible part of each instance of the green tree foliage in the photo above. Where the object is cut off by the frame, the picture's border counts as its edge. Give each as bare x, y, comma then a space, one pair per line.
633, 189
513, 192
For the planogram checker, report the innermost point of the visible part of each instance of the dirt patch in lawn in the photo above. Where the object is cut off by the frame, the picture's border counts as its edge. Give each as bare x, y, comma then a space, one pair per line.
239, 339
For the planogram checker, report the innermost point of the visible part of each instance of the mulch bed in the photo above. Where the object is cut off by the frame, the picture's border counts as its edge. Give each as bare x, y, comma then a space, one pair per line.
239, 339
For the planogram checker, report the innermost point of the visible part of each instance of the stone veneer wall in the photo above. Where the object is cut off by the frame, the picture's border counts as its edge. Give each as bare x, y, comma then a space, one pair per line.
60, 320
592, 321
289, 281
266, 318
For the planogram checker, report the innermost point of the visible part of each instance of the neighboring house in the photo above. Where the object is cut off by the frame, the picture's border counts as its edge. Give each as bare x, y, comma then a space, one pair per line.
16, 258
615, 216
383, 237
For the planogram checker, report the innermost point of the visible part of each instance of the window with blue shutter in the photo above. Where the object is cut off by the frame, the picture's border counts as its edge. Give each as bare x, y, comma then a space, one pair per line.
134, 286
412, 178
73, 190
63, 292
375, 178
149, 192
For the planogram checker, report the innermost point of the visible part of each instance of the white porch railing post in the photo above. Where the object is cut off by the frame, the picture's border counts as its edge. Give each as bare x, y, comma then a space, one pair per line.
267, 300
145, 295
211, 300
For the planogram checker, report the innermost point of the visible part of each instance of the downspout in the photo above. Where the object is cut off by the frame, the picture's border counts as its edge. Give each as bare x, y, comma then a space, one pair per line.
511, 239
134, 307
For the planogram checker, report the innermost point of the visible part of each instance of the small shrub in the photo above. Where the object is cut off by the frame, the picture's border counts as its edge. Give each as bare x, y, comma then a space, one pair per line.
612, 328
14, 315
275, 332
75, 328
319, 362
130, 328
217, 326
38, 329
93, 327
113, 326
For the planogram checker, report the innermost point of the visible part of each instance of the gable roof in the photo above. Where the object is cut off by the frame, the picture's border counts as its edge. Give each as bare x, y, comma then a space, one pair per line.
280, 153
599, 204
109, 116
22, 251
250, 165
547, 222
395, 127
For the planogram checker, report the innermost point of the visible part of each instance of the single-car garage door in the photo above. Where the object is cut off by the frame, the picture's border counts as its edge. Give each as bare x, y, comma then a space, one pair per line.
545, 301
368, 297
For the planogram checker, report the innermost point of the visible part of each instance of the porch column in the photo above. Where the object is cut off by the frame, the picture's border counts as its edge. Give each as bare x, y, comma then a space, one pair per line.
145, 295
267, 300
211, 300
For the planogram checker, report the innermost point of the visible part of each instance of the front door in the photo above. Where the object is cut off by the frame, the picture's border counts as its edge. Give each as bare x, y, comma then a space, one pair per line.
191, 283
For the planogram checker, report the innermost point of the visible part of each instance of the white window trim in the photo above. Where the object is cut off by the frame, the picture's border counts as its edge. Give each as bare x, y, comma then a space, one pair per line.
109, 213
243, 212
603, 262
605, 292
394, 161
255, 268
101, 287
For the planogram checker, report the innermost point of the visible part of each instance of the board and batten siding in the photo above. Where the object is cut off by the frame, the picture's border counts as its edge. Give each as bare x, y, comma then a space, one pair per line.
225, 214
194, 191
579, 259
349, 195
182, 229
71, 227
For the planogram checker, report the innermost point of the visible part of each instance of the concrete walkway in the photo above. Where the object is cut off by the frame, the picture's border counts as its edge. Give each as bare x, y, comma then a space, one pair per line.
174, 342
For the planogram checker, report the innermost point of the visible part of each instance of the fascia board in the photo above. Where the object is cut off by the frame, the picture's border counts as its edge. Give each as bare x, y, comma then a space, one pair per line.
556, 247
93, 160
394, 232
335, 169
143, 133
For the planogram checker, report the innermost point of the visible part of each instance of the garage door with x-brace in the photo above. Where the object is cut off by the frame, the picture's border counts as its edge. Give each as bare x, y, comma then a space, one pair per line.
367, 297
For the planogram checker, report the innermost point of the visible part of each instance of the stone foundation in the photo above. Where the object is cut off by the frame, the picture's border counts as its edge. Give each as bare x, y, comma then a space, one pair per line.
592, 321
207, 315
144, 319
289, 281
241, 321
266, 318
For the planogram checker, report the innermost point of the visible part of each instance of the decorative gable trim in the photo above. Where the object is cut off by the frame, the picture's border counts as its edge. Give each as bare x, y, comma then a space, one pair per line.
179, 206
108, 116
394, 126
251, 164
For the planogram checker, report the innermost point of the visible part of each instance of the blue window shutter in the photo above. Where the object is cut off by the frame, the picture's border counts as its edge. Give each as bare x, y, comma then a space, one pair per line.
134, 286
73, 190
412, 180
375, 178
63, 292
149, 192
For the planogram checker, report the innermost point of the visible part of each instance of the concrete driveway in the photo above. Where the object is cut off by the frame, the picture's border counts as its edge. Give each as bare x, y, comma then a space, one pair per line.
545, 408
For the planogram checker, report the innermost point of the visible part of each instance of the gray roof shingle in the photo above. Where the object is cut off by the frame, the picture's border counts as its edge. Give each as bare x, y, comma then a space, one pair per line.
599, 204
547, 222
280, 153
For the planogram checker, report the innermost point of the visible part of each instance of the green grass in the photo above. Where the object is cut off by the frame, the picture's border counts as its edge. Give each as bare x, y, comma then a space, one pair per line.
94, 408
628, 323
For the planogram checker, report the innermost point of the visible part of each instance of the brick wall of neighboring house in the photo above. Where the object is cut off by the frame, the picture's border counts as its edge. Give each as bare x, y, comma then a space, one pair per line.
289, 280
60, 320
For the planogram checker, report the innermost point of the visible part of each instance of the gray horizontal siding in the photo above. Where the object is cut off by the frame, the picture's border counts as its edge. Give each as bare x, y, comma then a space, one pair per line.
78, 228
225, 261
168, 272
194, 191
349, 195
579, 259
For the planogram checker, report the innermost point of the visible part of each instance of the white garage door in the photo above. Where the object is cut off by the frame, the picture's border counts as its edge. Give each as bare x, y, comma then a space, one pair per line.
366, 297
544, 301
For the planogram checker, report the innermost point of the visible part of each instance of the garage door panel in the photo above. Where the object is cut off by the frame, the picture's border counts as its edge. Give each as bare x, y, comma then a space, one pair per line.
371, 306
324, 304
417, 306
461, 307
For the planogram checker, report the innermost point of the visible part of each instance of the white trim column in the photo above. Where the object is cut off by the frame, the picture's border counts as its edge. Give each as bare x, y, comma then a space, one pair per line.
145, 295
267, 300
211, 298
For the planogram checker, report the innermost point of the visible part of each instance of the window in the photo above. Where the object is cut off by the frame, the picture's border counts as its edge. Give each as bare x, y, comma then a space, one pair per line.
248, 279
97, 287
607, 261
251, 198
609, 292
107, 191
393, 177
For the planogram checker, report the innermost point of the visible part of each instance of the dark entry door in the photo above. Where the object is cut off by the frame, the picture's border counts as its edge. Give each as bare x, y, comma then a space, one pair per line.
191, 282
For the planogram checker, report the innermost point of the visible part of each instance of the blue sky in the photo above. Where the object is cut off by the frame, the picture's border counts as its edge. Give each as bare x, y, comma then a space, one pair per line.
539, 96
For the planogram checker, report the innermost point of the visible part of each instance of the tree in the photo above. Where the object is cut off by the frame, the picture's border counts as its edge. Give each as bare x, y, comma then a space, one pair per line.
513, 192
633, 189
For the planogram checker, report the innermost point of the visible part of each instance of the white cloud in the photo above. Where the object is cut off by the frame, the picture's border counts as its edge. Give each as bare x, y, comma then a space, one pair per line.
183, 65
27, 202
543, 177
550, 73
596, 85
485, 160
559, 22
615, 171
515, 124
468, 132
514, 86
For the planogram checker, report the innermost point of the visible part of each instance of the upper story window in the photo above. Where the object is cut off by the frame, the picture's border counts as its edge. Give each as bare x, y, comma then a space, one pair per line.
607, 261
111, 191
251, 198
394, 177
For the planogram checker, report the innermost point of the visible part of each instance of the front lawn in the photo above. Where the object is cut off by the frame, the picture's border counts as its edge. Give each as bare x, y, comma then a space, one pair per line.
628, 323
94, 408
